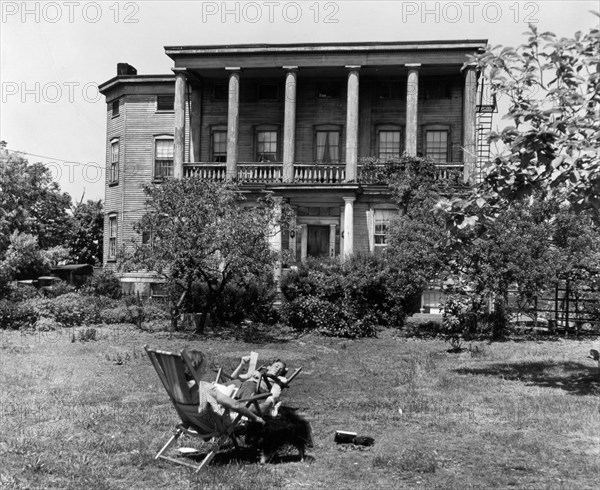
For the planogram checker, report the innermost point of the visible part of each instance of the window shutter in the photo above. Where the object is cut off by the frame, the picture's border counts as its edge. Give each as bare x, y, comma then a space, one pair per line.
371, 230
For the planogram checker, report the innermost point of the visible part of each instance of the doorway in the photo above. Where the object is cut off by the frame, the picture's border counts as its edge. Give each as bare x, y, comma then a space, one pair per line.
318, 241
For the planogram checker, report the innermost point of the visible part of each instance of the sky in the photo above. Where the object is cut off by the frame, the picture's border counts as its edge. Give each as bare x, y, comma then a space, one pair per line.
55, 54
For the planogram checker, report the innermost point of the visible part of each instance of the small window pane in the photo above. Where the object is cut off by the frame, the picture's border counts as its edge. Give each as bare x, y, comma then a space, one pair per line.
112, 237
437, 146
163, 158
114, 161
267, 92
389, 145
328, 146
219, 146
165, 102
382, 219
220, 91
266, 146
115, 108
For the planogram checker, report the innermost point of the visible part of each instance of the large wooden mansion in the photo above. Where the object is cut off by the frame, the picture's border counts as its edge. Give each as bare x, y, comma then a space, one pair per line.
295, 119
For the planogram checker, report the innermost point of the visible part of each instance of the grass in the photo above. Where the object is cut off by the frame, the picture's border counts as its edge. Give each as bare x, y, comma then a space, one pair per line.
82, 410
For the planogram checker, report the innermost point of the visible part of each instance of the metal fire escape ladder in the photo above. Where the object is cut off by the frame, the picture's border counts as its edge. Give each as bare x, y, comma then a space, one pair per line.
486, 107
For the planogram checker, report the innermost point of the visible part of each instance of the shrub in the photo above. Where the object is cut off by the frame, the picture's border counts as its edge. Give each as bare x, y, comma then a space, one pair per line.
47, 325
21, 292
119, 314
16, 315
464, 319
58, 289
69, 309
105, 283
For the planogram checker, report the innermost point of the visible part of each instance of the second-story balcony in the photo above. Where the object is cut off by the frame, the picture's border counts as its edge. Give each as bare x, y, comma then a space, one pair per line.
303, 173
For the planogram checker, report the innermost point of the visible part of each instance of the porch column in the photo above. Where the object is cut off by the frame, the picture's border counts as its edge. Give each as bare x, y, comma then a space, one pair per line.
469, 124
332, 240
179, 130
289, 124
348, 226
196, 122
303, 242
233, 122
412, 100
352, 123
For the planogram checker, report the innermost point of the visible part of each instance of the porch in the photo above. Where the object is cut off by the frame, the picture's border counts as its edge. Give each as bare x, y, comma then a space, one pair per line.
302, 173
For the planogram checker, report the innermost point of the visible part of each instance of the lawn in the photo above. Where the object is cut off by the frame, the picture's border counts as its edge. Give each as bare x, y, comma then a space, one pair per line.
512, 414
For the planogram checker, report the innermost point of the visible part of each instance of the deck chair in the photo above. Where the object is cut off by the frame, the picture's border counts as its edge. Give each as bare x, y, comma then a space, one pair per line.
170, 368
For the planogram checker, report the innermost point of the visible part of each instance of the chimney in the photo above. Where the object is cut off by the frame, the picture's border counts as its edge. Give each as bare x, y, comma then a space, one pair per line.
125, 69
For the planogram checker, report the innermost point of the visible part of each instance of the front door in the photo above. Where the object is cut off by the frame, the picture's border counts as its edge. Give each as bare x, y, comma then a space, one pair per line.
318, 241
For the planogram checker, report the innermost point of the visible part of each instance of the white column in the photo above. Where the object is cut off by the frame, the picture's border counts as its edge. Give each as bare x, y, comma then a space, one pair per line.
352, 123
196, 122
303, 242
233, 122
179, 129
348, 226
469, 124
412, 102
332, 240
289, 124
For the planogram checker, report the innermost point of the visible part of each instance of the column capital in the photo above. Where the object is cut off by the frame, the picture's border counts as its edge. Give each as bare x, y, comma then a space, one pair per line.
414, 66
179, 71
353, 67
290, 68
233, 69
349, 200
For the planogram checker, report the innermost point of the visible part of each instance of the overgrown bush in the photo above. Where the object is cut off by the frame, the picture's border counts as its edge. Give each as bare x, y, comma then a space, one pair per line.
21, 292
70, 309
465, 318
104, 283
15, 316
347, 300
58, 289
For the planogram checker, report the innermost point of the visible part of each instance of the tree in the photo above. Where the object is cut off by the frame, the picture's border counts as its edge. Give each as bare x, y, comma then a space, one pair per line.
203, 235
553, 143
85, 240
31, 202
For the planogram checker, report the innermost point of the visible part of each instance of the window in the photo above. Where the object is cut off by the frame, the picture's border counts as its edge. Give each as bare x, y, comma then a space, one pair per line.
436, 145
112, 237
389, 90
329, 90
328, 146
220, 91
266, 146
381, 223
268, 91
219, 146
435, 89
163, 158
115, 108
388, 144
114, 162
165, 103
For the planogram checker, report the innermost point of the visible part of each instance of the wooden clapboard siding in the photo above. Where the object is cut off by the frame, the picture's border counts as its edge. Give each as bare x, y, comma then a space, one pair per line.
312, 111
112, 197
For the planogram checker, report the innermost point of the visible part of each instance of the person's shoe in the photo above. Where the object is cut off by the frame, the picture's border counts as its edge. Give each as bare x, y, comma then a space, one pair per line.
275, 409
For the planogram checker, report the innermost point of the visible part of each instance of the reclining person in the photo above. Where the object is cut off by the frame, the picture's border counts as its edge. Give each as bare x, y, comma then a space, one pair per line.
211, 400
250, 384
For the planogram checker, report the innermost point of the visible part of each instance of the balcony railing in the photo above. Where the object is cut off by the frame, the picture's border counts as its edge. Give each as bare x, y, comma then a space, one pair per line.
304, 173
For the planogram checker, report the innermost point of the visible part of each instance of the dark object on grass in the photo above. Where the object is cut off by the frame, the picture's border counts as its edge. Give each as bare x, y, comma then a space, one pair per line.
287, 428
344, 437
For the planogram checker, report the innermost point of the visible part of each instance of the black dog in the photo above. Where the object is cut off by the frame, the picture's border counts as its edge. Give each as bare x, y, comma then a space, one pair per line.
287, 428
